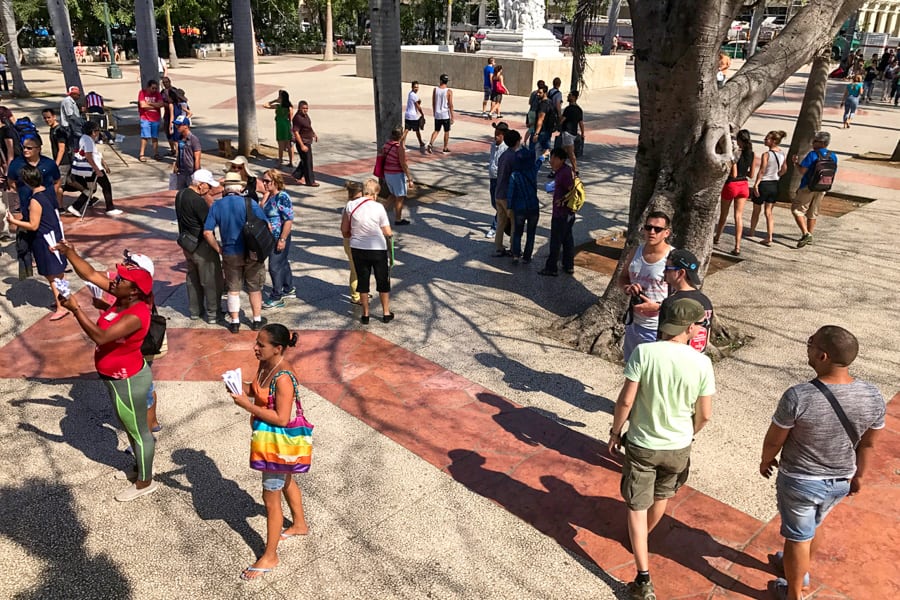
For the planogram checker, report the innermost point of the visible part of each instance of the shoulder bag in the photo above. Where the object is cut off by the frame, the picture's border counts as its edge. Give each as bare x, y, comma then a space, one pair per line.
258, 239
187, 240
277, 449
154, 345
841, 415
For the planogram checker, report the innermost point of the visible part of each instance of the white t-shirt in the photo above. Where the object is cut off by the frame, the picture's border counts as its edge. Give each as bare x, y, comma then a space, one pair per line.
80, 165
3, 62
411, 113
366, 223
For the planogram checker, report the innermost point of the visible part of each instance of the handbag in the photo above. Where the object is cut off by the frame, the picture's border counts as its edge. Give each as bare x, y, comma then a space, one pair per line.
154, 344
258, 239
841, 415
278, 449
380, 161
422, 122
188, 241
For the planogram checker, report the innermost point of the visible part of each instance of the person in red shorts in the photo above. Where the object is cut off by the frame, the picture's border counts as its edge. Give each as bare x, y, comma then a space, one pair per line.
737, 190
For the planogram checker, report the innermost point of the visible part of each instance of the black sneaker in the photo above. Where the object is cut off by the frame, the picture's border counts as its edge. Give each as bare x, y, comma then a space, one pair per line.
641, 591
257, 325
234, 327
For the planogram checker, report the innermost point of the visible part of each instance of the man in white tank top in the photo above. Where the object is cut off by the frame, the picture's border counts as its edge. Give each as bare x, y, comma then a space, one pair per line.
644, 280
442, 105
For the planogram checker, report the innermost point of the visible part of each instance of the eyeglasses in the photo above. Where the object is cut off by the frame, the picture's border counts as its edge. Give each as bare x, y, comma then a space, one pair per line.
654, 228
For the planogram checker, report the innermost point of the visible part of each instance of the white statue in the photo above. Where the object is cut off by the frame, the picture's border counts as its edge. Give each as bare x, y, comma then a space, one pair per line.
521, 15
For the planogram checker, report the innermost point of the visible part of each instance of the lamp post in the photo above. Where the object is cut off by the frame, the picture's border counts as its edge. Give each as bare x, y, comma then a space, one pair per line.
112, 71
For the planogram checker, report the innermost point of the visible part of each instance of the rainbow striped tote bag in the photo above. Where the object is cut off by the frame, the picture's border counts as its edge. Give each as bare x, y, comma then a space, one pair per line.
279, 449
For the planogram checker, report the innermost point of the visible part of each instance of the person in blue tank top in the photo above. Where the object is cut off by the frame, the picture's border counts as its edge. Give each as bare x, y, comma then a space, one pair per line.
488, 82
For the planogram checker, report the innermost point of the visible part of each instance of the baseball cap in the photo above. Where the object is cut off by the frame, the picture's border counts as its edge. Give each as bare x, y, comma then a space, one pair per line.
182, 120
136, 275
679, 315
205, 176
501, 126
141, 260
74, 88
685, 259
445, 78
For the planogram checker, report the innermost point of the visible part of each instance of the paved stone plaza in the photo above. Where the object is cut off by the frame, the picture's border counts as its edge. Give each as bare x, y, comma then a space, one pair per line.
458, 452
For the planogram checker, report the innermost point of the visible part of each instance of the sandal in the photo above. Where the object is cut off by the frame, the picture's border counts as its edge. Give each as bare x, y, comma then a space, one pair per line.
157, 157
766, 243
142, 158
59, 315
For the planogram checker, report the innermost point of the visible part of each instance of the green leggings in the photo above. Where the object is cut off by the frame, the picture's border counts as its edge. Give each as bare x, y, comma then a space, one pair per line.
130, 398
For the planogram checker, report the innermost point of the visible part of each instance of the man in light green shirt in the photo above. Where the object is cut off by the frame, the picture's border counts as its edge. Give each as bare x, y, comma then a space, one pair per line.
666, 399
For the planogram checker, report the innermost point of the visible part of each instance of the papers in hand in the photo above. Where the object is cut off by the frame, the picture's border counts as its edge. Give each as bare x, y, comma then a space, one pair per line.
96, 292
62, 288
232, 380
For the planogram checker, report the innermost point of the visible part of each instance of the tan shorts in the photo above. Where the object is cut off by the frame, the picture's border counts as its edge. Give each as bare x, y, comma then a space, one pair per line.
239, 270
806, 203
649, 475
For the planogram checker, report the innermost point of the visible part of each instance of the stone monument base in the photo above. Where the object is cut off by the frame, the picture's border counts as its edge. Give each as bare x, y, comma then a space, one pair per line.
425, 65
532, 43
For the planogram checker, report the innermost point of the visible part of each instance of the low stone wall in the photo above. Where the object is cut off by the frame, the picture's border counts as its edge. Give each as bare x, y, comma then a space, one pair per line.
39, 56
520, 73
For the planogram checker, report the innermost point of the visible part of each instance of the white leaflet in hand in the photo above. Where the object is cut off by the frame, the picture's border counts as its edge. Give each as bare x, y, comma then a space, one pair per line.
232, 380
50, 238
62, 287
96, 292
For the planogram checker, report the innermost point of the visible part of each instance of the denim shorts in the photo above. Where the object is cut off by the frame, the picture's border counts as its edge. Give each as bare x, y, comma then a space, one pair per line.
149, 129
396, 183
274, 482
804, 503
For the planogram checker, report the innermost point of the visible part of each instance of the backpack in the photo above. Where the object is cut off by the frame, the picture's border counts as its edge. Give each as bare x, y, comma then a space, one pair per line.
258, 239
574, 198
154, 344
23, 128
821, 175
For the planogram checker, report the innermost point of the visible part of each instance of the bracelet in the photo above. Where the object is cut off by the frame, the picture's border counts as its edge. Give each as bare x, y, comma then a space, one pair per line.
614, 434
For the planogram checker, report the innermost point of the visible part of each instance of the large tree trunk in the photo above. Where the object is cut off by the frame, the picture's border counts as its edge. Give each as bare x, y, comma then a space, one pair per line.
759, 13
11, 33
148, 53
685, 149
329, 33
244, 76
65, 48
809, 121
386, 80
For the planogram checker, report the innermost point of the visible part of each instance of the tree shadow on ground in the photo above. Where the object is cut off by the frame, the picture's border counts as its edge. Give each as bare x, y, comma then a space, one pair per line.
214, 496
49, 529
560, 512
519, 376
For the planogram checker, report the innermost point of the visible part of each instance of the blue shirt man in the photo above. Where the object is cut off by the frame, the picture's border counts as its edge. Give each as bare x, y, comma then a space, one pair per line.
488, 75
805, 206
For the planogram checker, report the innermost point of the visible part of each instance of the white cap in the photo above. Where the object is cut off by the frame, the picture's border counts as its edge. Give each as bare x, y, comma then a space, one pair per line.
143, 261
205, 176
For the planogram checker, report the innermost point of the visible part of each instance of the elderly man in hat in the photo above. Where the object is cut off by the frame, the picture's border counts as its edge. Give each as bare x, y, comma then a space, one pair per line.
229, 214
204, 267
666, 400
70, 115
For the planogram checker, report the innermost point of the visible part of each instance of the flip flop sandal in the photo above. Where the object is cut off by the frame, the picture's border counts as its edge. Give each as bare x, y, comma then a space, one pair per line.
58, 316
142, 158
253, 570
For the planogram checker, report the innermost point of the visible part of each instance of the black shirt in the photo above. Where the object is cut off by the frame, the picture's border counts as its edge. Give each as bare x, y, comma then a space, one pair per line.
700, 340
58, 136
572, 116
549, 112
191, 211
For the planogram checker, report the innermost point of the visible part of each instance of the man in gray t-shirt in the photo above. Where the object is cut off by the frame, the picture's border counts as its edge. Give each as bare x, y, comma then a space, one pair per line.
822, 460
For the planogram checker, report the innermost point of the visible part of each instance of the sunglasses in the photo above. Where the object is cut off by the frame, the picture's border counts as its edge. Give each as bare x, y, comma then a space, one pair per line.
30, 147
654, 228
673, 268
235, 167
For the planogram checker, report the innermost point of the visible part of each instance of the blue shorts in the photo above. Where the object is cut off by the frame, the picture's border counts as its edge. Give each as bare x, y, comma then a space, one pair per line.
635, 335
396, 183
149, 129
150, 394
804, 503
274, 482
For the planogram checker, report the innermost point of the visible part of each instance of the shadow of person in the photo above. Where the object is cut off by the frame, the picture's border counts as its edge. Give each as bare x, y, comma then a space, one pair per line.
40, 517
214, 496
82, 427
568, 389
568, 516
537, 428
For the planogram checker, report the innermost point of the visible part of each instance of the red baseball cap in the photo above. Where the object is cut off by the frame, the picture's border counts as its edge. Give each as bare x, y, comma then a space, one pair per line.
136, 275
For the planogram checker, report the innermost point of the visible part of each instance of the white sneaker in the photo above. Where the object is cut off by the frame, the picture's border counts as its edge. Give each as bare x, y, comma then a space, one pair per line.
133, 493
114, 212
73, 211
491, 233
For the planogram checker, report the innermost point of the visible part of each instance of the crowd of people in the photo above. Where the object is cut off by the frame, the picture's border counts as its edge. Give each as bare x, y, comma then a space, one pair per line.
665, 401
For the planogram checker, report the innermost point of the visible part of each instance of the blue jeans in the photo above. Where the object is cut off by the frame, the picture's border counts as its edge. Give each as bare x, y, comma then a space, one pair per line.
493, 188
804, 503
280, 270
529, 219
561, 236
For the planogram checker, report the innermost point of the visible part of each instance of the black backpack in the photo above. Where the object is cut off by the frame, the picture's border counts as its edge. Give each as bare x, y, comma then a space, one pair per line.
20, 130
258, 239
821, 176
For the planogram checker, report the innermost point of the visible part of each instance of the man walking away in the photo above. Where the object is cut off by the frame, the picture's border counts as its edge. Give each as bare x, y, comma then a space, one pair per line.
442, 105
816, 180
666, 400
825, 431
488, 86
571, 126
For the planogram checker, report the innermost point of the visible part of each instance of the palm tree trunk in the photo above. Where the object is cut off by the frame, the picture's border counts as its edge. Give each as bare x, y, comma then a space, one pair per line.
148, 53
385, 19
10, 32
244, 75
62, 31
615, 6
329, 33
759, 13
173, 55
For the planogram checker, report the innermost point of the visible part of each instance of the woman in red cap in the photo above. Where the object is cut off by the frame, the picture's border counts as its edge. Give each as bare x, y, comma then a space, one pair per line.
119, 333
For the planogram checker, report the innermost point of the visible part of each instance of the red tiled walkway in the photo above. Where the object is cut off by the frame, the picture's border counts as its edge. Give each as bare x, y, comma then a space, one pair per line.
558, 480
